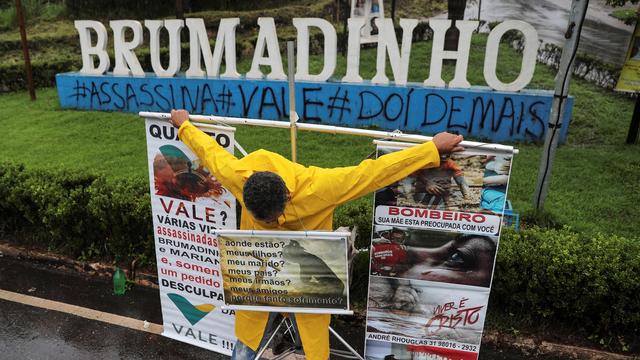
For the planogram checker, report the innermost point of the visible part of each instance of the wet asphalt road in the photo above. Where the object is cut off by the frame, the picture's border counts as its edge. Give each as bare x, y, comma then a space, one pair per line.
33, 333
603, 36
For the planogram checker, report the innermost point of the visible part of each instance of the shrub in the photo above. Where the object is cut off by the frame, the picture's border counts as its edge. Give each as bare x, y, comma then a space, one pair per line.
33, 10
53, 11
357, 213
124, 211
591, 283
8, 18
71, 212
359, 282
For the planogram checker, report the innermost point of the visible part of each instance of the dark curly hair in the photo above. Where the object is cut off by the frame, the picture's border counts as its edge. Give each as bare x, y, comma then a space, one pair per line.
265, 195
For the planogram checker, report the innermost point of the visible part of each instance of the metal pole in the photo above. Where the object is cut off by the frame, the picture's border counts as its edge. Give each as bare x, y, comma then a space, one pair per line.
273, 335
25, 50
328, 129
576, 19
293, 116
479, 9
345, 343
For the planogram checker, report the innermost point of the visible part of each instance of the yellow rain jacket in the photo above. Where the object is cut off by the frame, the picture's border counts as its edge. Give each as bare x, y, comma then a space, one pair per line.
315, 193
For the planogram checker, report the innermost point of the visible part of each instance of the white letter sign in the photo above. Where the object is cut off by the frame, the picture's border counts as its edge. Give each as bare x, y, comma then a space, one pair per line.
173, 28
387, 43
126, 61
84, 28
268, 38
302, 25
438, 53
529, 55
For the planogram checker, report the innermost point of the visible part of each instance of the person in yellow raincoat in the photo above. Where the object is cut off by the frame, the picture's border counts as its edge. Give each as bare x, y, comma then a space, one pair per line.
277, 194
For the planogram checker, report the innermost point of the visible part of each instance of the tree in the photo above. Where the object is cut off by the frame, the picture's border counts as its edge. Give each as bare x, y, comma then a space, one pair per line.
456, 12
628, 16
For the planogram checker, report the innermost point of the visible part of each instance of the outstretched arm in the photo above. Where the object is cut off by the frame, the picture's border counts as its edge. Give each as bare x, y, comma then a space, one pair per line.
340, 185
213, 156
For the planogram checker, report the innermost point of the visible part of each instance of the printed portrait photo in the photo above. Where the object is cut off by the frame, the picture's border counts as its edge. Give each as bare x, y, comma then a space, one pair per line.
454, 258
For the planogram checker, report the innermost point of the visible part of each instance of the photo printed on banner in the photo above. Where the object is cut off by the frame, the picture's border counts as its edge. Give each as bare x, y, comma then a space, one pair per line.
176, 175
448, 257
287, 271
434, 243
189, 205
416, 312
463, 182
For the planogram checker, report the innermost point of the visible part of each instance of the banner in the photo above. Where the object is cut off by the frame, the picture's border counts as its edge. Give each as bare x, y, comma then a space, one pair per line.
290, 271
478, 112
433, 249
629, 80
189, 205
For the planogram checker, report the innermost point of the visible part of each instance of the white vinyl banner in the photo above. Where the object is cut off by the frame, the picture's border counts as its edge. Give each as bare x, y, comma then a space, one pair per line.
435, 239
188, 206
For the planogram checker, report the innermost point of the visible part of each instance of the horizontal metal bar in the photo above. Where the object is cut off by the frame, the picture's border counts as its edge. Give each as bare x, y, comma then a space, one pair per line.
470, 147
330, 129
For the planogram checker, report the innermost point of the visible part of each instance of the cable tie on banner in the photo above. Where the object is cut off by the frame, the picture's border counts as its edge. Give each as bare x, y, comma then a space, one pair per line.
555, 126
569, 33
562, 97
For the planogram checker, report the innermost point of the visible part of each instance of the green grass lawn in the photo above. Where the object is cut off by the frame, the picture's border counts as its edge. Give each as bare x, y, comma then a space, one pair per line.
594, 184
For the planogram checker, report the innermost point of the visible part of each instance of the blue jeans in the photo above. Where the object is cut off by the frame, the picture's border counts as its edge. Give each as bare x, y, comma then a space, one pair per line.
243, 352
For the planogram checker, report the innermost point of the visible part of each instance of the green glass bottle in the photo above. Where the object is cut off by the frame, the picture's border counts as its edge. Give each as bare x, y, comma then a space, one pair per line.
119, 282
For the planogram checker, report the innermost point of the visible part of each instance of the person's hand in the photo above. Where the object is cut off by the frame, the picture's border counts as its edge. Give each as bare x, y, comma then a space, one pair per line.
447, 143
178, 117
434, 189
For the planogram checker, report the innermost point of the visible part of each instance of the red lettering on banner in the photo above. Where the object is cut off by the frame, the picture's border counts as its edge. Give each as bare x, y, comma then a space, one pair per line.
182, 210
436, 214
442, 320
165, 207
422, 213
209, 213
